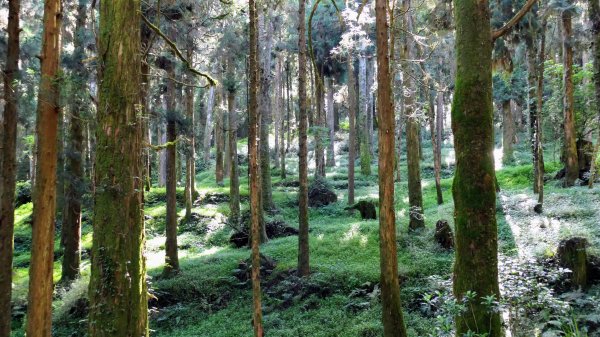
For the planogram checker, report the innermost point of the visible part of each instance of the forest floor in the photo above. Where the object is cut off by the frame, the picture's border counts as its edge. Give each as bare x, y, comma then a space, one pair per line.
211, 297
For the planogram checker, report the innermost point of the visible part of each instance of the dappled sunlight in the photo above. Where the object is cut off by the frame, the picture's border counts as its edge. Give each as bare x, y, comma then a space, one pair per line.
450, 158
498, 155
355, 233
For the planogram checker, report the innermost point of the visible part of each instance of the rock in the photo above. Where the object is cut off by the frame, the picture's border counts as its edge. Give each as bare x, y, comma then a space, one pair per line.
366, 208
443, 234
538, 209
320, 193
572, 254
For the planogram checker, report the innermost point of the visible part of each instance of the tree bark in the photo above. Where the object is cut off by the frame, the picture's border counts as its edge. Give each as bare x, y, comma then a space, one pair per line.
532, 104
171, 254
39, 307
474, 187
393, 323
437, 165
415, 195
508, 133
8, 165
352, 126
570, 147
265, 114
219, 139
538, 121
365, 153
71, 224
254, 170
234, 180
303, 240
210, 105
594, 12
190, 165
330, 119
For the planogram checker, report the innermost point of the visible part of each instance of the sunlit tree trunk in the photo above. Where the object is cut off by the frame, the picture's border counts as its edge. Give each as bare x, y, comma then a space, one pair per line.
474, 187
352, 126
365, 153
508, 132
234, 180
435, 145
330, 119
266, 41
8, 145
393, 324
208, 129
570, 147
220, 138
539, 124
171, 254
39, 306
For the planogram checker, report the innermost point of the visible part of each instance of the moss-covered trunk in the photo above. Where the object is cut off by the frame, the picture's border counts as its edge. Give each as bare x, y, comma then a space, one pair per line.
71, 224
570, 147
8, 145
39, 306
190, 165
254, 170
393, 324
594, 12
474, 187
118, 292
303, 251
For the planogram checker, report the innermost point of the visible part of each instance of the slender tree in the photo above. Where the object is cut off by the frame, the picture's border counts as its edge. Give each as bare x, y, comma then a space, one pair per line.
437, 165
594, 12
118, 292
71, 225
8, 144
234, 180
266, 44
393, 324
39, 308
254, 170
570, 146
303, 251
330, 121
352, 127
474, 187
538, 120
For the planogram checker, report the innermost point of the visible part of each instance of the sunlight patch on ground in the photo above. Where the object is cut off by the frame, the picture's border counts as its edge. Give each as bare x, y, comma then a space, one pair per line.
353, 233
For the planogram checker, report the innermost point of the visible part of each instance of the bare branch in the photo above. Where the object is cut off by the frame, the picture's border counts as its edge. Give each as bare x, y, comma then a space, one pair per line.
512, 22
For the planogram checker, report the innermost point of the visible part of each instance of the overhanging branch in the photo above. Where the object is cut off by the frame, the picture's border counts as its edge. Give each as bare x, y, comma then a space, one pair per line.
512, 22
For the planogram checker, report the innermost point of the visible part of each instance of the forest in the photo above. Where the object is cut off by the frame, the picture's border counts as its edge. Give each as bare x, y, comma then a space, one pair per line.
289, 168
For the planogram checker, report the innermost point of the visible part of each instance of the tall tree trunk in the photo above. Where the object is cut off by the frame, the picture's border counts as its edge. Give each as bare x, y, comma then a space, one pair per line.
283, 109
208, 129
265, 112
171, 254
290, 111
219, 139
532, 104
330, 119
8, 165
254, 170
570, 147
415, 195
319, 124
39, 306
303, 241
365, 153
277, 111
352, 126
71, 224
474, 187
508, 133
539, 124
162, 156
437, 164
190, 164
594, 12
371, 73
234, 180
393, 324
118, 291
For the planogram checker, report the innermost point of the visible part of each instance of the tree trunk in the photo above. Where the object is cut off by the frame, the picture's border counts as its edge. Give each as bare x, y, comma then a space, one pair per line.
219, 140
171, 258
234, 179
254, 170
290, 111
210, 105
71, 224
282, 120
265, 114
8, 165
474, 187
352, 126
594, 12
570, 147
190, 164
371, 73
39, 306
393, 324
118, 291
162, 157
538, 127
330, 119
508, 133
415, 195
532, 105
365, 153
303, 241
437, 164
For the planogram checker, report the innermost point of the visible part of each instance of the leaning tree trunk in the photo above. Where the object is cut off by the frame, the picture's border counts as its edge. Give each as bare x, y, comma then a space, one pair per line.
118, 291
39, 306
254, 170
303, 251
570, 147
330, 119
415, 196
393, 324
474, 187
8, 163
234, 179
594, 9
352, 126
71, 230
171, 254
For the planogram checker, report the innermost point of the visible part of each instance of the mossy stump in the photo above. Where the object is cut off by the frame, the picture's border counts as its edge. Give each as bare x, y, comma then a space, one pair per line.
443, 234
572, 254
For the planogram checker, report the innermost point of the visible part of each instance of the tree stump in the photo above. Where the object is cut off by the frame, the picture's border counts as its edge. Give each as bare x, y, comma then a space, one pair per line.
572, 254
443, 234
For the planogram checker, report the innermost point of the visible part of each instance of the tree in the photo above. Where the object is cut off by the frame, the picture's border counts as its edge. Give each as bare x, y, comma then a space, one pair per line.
266, 42
352, 127
71, 230
303, 241
234, 180
8, 144
39, 307
329, 102
594, 12
474, 187
415, 195
254, 169
570, 147
393, 324
118, 292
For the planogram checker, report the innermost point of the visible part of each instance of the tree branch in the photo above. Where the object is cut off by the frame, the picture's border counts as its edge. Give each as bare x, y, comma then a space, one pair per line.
186, 62
512, 22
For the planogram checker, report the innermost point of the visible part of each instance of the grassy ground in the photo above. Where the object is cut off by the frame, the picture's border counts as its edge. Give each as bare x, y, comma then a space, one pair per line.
340, 299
